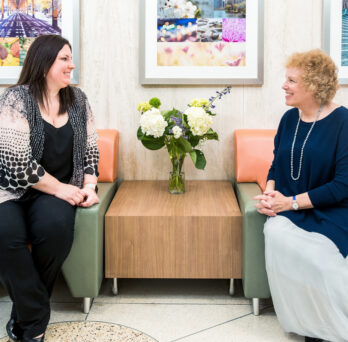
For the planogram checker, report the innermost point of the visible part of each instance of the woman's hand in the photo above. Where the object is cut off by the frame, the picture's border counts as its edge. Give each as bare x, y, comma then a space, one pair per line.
70, 193
263, 207
272, 202
278, 202
90, 198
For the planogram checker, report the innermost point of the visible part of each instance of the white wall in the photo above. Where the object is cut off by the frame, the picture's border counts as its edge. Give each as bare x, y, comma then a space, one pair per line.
109, 76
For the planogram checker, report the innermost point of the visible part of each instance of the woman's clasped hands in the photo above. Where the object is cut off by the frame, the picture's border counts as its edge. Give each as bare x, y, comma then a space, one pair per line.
272, 202
75, 196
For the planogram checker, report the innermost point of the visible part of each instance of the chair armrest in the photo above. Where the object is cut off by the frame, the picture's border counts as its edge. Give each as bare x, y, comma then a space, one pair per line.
255, 283
84, 267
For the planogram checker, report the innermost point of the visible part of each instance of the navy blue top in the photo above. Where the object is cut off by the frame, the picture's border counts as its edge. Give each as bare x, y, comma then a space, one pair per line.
324, 173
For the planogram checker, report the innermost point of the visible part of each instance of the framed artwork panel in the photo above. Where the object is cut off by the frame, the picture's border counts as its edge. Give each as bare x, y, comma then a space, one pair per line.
335, 35
201, 42
21, 21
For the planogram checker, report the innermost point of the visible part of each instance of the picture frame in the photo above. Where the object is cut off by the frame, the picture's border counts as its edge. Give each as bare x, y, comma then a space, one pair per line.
333, 36
63, 18
241, 64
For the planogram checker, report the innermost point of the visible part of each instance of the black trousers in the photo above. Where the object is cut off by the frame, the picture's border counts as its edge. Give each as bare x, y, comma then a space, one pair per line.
48, 223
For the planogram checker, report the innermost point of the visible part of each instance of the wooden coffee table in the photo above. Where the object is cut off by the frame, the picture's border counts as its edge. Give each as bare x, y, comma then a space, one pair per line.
150, 233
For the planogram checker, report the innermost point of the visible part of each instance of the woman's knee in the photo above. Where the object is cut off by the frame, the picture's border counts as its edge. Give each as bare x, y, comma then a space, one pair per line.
55, 229
271, 228
52, 219
12, 226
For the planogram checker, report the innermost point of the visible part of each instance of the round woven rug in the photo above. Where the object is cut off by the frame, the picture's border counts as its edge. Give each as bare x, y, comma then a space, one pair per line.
87, 331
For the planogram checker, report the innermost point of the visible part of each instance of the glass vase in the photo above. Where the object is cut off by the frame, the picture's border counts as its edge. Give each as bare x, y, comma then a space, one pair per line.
177, 177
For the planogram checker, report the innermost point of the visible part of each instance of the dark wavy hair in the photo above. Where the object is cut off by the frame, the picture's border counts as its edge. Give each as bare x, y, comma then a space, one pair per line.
41, 55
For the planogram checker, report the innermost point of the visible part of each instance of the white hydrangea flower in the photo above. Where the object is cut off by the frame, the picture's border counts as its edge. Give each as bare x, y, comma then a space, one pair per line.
152, 123
177, 131
198, 120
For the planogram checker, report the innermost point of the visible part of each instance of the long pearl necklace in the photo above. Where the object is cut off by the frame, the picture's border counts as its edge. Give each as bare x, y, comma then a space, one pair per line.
303, 146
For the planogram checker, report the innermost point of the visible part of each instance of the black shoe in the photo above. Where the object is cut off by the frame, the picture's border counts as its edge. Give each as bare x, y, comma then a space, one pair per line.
14, 332
313, 339
41, 339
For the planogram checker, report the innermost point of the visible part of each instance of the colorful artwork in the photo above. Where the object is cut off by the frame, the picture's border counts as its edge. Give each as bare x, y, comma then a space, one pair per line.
201, 41
209, 30
185, 8
194, 22
9, 52
201, 54
176, 30
21, 21
335, 35
229, 8
344, 49
30, 18
24, 44
233, 30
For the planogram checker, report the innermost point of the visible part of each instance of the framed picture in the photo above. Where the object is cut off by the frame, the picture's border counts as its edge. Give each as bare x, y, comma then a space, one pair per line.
201, 42
335, 35
22, 21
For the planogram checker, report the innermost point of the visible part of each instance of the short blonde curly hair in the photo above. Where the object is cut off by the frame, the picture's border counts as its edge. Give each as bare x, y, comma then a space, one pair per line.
319, 73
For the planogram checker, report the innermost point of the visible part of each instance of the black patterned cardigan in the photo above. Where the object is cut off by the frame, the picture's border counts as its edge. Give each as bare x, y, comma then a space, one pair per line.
22, 141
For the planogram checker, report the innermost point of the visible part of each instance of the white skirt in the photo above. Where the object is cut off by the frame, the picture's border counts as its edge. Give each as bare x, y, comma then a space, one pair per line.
308, 278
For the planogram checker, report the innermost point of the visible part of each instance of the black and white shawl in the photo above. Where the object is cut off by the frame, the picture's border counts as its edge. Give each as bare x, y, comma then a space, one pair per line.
22, 141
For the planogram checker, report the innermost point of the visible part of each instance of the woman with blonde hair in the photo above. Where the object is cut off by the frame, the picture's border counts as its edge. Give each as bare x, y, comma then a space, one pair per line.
306, 199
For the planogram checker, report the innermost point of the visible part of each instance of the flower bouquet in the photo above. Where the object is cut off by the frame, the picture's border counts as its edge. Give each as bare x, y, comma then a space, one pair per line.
181, 133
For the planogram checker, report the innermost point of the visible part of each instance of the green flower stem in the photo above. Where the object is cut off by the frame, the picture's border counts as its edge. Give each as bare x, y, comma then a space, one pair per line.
176, 178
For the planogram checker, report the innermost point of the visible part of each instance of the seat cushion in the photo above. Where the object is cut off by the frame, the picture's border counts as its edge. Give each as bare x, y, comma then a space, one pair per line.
108, 153
253, 155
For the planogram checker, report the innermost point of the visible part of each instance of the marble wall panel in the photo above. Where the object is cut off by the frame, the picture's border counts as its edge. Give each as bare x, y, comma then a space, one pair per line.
109, 76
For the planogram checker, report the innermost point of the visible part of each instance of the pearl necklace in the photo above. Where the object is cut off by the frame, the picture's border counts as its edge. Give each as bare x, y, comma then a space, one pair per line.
303, 146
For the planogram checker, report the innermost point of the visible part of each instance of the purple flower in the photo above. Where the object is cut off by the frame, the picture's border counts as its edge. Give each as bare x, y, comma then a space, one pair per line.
234, 30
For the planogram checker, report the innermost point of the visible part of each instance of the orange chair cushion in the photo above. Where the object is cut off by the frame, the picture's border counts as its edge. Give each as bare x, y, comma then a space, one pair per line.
253, 150
108, 154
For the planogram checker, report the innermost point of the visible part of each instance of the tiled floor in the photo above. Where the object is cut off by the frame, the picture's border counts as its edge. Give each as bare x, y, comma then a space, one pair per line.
170, 310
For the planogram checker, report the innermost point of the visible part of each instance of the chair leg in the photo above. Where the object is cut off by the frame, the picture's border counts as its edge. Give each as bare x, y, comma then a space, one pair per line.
256, 306
87, 301
114, 286
231, 291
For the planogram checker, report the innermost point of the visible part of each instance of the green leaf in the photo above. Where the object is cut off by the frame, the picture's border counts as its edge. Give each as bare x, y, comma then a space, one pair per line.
193, 139
184, 144
168, 128
186, 121
210, 113
152, 143
211, 135
198, 159
140, 134
167, 114
193, 156
149, 141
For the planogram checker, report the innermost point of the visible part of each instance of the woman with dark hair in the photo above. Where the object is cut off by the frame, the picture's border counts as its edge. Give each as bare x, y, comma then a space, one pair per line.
48, 166
306, 199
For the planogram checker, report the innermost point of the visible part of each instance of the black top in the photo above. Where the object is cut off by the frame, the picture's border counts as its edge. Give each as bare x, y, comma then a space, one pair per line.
57, 157
324, 173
